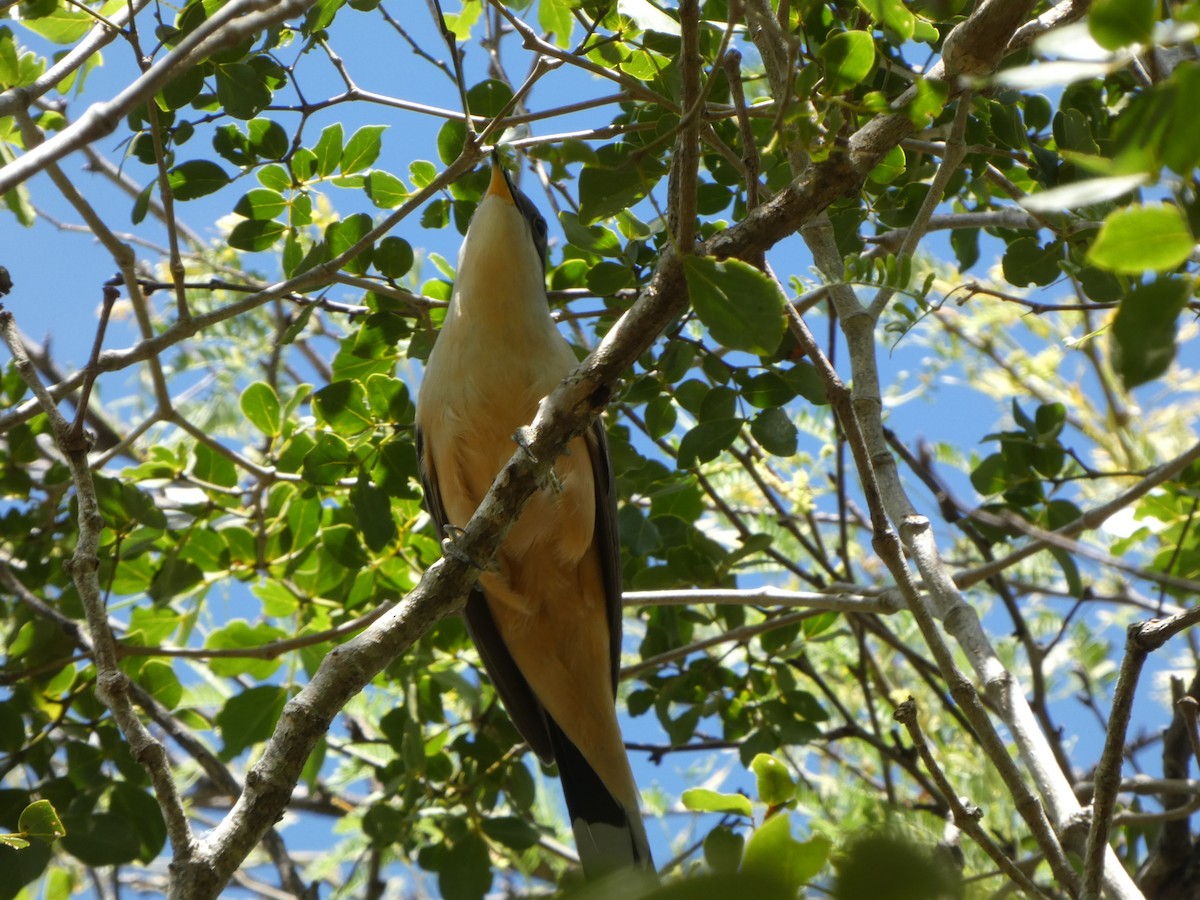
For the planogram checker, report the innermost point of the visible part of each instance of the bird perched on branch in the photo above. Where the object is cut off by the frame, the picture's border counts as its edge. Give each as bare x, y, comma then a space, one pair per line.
547, 617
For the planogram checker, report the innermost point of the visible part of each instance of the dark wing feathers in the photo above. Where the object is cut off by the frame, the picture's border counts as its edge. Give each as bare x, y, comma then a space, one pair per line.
608, 539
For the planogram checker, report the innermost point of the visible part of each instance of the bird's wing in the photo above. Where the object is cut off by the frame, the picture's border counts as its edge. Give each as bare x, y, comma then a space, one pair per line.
523, 707
608, 538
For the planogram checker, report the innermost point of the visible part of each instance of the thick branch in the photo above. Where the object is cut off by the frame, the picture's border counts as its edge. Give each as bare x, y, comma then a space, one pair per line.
228, 27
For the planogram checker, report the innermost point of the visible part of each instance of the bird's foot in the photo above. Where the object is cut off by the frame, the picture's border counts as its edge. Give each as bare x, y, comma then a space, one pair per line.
523, 438
548, 482
451, 549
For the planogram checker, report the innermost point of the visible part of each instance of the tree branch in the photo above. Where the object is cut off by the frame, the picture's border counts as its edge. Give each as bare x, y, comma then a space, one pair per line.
112, 685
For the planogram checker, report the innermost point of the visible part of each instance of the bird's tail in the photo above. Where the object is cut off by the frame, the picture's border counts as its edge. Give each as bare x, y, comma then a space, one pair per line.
609, 833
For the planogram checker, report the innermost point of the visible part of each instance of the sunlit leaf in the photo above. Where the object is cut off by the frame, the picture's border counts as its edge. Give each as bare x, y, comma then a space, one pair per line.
741, 306
1138, 238
848, 57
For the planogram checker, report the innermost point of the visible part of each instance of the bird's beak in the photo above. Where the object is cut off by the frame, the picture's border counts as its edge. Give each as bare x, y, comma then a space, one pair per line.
499, 186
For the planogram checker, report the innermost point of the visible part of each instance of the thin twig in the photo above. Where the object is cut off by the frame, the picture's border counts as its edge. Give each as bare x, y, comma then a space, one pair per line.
956, 149
887, 546
271, 650
964, 818
1108, 771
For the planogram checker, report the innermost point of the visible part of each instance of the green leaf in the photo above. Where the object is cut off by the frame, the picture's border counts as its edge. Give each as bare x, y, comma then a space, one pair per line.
277, 600
459, 24
342, 405
214, 468
383, 824
1070, 570
775, 785
242, 90
328, 149
893, 15
260, 203
101, 839
385, 190
422, 172
238, 634
1118, 23
511, 831
255, 235
12, 726
1049, 420
723, 848
160, 680
141, 205
389, 399
1027, 262
341, 542
1139, 238
183, 88
616, 180
465, 872
807, 382
707, 441
196, 178
660, 417
929, 101
373, 514
589, 238
606, 278
488, 98
773, 853
393, 257
139, 808
260, 404
363, 148
249, 718
343, 235
65, 25
268, 138
304, 518
1143, 330
557, 18
775, 431
740, 306
395, 468
450, 140
275, 177
848, 59
704, 800
320, 16
882, 859
299, 211
766, 390
10, 64
40, 822
890, 167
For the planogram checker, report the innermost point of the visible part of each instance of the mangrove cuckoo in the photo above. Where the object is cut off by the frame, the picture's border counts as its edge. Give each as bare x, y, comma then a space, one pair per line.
547, 616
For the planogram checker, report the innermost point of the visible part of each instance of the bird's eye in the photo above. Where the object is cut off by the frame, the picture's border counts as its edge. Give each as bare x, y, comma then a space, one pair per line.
539, 227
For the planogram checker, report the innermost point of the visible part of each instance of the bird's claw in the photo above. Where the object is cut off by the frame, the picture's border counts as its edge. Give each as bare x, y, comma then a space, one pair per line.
451, 549
548, 482
523, 438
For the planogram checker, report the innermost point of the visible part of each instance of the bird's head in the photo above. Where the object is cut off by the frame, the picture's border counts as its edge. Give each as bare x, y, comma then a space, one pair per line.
507, 230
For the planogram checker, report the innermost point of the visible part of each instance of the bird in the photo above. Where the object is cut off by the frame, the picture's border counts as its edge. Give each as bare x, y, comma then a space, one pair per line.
546, 616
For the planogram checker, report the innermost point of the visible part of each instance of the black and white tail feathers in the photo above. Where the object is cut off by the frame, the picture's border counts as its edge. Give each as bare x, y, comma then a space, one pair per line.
608, 836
